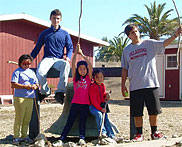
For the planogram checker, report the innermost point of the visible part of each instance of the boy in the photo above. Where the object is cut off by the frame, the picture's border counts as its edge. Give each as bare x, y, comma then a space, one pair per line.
55, 40
139, 64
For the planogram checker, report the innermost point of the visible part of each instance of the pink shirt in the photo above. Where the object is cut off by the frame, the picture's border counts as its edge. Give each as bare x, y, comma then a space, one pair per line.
81, 94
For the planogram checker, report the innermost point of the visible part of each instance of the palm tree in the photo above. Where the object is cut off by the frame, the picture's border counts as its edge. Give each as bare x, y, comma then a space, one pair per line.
157, 24
114, 51
116, 47
102, 51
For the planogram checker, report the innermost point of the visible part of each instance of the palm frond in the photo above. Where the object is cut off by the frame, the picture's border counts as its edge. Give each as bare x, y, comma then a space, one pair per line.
156, 24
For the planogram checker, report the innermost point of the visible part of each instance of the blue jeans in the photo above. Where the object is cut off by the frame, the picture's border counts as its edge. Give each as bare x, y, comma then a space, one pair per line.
59, 64
107, 129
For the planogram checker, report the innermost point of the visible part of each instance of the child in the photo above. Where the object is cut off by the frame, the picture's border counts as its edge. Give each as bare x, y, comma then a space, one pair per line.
80, 103
25, 82
98, 97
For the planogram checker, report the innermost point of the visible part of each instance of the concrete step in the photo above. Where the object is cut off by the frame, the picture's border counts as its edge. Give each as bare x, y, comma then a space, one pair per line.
153, 143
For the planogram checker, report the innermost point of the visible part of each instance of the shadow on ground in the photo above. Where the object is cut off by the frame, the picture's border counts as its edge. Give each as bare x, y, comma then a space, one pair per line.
163, 103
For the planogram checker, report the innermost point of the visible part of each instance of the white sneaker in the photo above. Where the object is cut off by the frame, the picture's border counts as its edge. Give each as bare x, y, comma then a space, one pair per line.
118, 139
104, 136
81, 142
58, 143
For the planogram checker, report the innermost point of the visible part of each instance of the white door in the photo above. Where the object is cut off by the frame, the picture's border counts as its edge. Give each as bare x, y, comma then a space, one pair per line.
161, 74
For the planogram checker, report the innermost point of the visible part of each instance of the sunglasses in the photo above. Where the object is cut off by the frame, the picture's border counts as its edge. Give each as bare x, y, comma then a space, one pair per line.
26, 63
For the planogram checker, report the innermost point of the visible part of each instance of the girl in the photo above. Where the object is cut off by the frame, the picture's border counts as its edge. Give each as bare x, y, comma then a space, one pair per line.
25, 82
98, 97
80, 103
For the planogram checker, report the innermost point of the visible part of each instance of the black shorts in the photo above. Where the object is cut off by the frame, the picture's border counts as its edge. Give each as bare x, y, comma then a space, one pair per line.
147, 96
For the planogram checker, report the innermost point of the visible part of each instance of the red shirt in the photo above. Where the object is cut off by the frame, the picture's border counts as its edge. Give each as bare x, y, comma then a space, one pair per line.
97, 94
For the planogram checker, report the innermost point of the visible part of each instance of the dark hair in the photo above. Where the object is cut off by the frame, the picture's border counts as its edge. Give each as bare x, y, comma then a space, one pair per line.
78, 76
129, 28
24, 57
96, 71
56, 12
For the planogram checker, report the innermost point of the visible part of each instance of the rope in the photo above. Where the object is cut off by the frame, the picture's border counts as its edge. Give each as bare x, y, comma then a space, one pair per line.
179, 38
80, 21
36, 108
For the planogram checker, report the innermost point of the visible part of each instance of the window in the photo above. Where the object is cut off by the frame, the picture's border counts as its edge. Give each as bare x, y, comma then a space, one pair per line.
171, 61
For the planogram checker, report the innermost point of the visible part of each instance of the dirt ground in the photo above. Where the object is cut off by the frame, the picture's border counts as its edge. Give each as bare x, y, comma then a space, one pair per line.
169, 122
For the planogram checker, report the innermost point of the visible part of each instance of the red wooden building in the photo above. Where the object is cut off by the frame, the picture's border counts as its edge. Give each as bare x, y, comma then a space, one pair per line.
18, 35
170, 74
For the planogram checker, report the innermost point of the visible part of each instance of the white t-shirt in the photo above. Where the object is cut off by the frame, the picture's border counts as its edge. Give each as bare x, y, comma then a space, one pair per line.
139, 60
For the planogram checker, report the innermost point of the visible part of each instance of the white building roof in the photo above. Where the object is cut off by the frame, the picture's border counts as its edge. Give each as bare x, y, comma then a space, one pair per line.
47, 24
173, 46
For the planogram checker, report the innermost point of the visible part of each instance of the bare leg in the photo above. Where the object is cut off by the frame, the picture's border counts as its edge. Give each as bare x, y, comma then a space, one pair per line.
153, 120
138, 121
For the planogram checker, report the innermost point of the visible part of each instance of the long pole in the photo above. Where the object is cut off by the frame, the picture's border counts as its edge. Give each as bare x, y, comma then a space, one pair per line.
102, 124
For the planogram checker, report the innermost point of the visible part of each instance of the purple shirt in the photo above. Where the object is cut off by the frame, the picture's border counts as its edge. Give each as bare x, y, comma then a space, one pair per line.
24, 77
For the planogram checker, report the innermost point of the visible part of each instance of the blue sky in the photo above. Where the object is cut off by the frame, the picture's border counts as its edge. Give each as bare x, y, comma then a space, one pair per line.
100, 17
